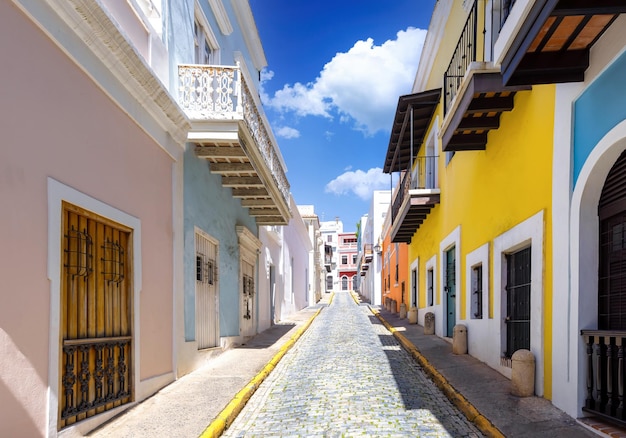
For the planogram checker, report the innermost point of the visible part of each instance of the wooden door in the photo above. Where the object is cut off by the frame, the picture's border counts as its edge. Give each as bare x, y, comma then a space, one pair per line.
96, 316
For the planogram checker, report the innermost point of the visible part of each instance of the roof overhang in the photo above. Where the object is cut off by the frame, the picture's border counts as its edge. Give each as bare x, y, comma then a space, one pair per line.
404, 134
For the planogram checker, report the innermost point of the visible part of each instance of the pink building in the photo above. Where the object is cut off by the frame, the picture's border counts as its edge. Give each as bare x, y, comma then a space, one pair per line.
347, 252
90, 152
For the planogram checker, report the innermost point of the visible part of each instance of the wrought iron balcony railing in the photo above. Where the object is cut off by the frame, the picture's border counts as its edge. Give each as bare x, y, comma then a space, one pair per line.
220, 93
465, 53
422, 178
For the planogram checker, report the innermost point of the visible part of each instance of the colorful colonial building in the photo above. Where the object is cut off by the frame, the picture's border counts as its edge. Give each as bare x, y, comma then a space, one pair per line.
510, 196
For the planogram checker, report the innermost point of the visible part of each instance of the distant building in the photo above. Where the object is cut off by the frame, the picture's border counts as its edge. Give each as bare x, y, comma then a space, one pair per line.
342, 275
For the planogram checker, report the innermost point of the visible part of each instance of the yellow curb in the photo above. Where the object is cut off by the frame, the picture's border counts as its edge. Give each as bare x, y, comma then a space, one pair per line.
225, 418
470, 412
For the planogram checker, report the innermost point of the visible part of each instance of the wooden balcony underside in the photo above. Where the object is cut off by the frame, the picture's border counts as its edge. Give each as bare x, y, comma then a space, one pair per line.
411, 215
477, 111
554, 41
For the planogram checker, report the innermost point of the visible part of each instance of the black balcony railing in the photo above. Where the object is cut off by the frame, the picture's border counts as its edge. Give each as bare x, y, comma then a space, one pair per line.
471, 45
605, 374
422, 177
464, 55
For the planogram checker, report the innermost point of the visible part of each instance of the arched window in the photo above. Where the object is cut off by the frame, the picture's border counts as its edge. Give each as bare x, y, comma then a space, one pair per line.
344, 283
354, 283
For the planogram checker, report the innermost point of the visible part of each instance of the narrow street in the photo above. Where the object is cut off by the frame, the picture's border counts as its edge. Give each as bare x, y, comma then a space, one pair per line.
347, 375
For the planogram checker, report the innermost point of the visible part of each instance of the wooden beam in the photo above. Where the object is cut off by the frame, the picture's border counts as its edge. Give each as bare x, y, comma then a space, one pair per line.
252, 202
586, 7
242, 181
263, 212
219, 152
479, 123
225, 168
467, 142
250, 193
490, 104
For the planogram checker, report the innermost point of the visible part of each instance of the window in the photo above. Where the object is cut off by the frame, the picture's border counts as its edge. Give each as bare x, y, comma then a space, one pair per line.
354, 259
518, 291
329, 283
429, 286
354, 281
344, 259
205, 44
329, 239
477, 292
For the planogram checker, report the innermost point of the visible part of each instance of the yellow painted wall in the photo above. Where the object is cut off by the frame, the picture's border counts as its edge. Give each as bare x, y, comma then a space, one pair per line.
489, 192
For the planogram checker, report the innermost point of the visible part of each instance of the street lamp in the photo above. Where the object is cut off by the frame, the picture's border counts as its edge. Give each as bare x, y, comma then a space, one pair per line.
377, 248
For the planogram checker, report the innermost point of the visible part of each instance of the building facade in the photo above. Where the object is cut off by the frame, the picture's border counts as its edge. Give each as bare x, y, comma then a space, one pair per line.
215, 56
370, 247
146, 202
96, 212
507, 163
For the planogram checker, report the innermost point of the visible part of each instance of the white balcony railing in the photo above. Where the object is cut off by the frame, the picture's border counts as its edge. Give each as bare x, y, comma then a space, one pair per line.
220, 93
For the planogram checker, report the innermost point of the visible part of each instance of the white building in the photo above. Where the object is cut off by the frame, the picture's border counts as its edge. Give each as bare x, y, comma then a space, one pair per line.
284, 262
316, 257
330, 231
370, 240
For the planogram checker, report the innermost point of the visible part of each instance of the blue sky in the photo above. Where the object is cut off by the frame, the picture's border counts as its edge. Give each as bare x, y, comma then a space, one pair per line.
335, 71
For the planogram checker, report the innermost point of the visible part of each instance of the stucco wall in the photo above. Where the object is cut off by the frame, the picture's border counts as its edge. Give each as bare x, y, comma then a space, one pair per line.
212, 208
57, 123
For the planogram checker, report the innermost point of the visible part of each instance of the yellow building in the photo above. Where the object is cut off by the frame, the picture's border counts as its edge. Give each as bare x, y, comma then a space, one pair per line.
474, 146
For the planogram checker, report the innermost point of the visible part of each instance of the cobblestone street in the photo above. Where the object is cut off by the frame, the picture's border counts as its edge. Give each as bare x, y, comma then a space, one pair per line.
347, 376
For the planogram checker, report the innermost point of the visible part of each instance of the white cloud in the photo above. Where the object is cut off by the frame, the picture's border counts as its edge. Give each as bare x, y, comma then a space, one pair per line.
287, 132
362, 85
359, 183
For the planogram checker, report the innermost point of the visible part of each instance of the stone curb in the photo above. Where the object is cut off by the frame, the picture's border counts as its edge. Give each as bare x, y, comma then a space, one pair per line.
225, 418
470, 412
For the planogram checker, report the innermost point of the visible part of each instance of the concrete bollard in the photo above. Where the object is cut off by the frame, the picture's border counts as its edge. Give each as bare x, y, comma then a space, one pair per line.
402, 311
429, 323
523, 373
412, 315
459, 339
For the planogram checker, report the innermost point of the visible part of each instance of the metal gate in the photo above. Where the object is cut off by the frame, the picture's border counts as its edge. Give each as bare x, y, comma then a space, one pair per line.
96, 309
207, 301
518, 301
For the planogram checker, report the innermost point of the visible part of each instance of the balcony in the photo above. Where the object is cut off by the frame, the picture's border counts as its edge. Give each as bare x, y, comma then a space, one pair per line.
475, 94
605, 374
367, 251
230, 131
416, 196
554, 39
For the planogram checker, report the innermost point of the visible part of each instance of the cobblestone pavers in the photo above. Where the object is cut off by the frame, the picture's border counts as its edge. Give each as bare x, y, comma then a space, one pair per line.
347, 376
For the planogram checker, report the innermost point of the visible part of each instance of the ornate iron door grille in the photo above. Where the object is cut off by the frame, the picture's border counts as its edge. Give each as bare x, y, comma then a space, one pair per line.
518, 301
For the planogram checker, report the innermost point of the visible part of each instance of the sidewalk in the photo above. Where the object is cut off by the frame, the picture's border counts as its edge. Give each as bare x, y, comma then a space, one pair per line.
186, 407
481, 392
